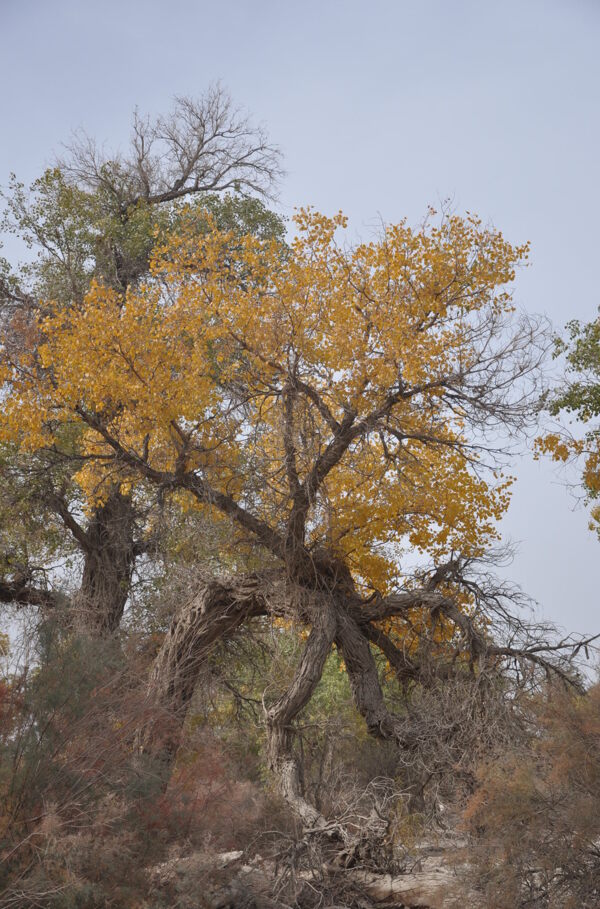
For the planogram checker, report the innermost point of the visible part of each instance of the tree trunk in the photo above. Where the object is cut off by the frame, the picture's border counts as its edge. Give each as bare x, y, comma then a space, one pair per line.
281, 714
109, 558
364, 680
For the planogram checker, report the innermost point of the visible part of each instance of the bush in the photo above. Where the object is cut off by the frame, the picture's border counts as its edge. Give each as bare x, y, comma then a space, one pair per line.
535, 815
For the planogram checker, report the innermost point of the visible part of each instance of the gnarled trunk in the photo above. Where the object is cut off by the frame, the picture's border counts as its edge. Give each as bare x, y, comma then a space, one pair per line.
281, 714
218, 609
335, 616
214, 613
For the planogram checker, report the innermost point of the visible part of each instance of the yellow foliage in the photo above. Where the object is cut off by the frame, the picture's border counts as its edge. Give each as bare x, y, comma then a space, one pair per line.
191, 374
558, 447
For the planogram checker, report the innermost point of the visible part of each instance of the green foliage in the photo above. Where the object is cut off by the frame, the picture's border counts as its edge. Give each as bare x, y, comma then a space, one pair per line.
581, 394
78, 235
60, 223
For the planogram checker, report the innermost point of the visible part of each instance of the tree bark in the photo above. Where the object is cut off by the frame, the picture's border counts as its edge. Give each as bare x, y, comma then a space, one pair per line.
280, 715
216, 611
364, 680
108, 548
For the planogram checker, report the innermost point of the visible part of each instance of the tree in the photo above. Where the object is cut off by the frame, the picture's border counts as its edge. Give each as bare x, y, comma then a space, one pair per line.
96, 217
580, 396
336, 407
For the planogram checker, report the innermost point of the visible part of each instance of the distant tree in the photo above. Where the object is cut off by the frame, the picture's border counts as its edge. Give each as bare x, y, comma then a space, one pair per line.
95, 217
579, 396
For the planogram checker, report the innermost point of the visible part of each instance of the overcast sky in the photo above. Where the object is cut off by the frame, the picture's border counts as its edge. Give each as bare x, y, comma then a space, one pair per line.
380, 108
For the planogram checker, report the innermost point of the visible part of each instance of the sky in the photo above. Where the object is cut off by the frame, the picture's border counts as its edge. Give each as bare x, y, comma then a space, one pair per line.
380, 108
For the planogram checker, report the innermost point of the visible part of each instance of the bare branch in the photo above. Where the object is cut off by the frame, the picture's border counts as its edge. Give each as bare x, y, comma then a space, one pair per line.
205, 145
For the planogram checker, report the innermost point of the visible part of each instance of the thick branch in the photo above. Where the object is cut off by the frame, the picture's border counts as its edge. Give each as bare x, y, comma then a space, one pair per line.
288, 440
78, 532
202, 490
319, 403
364, 680
20, 592
216, 611
404, 667
398, 604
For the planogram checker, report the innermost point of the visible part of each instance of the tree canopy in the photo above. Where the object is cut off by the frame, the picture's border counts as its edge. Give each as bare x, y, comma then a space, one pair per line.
332, 402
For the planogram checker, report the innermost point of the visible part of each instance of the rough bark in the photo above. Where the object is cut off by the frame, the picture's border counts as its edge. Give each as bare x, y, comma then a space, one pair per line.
280, 716
364, 680
108, 547
216, 611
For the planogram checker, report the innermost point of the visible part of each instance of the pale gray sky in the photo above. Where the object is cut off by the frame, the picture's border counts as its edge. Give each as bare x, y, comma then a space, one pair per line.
380, 108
